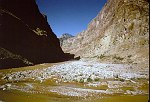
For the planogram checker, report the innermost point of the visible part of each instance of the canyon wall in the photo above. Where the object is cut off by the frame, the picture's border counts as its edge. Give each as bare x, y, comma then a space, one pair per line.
118, 34
26, 38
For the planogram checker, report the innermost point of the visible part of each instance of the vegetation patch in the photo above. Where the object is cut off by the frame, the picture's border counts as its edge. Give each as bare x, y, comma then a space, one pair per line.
143, 42
81, 81
118, 58
101, 56
40, 32
89, 79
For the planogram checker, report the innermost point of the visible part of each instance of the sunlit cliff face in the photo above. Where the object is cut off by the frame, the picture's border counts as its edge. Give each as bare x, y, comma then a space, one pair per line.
118, 34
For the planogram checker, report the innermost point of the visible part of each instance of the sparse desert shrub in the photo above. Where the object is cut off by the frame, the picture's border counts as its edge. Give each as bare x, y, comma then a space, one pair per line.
122, 80
101, 56
81, 81
96, 79
40, 32
118, 58
74, 80
89, 79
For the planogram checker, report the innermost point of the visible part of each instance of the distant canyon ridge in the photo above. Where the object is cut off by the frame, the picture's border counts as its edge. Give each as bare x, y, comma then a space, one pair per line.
118, 34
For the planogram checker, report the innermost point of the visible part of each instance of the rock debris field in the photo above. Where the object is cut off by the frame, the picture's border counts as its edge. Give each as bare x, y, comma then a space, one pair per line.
95, 79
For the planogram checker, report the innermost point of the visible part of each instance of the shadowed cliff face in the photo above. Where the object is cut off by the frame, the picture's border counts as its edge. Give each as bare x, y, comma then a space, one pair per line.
119, 34
24, 32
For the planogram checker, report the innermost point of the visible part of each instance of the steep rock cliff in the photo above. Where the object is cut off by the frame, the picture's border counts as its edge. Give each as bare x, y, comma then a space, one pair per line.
24, 32
119, 34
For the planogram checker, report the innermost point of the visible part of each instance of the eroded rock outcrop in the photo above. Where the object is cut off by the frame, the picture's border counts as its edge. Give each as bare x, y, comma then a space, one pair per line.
119, 34
64, 36
25, 35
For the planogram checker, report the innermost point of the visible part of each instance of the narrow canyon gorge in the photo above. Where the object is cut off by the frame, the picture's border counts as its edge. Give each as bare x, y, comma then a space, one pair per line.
107, 62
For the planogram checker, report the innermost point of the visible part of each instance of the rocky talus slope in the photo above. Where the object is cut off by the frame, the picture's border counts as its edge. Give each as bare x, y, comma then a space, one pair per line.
25, 35
118, 34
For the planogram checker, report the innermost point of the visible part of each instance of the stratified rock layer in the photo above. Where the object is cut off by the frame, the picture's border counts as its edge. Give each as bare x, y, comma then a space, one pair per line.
24, 32
119, 34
